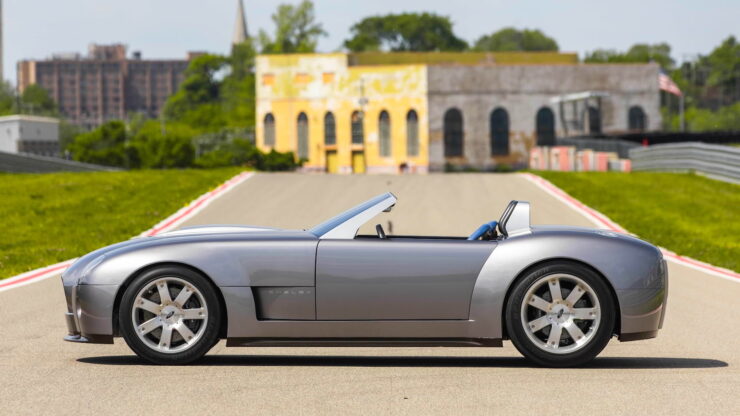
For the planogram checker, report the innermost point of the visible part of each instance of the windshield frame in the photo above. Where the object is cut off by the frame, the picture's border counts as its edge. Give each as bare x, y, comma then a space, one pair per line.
345, 225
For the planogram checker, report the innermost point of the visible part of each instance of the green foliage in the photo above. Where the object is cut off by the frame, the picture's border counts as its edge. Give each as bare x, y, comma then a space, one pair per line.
638, 53
105, 145
417, 32
701, 119
296, 30
197, 102
511, 39
36, 100
67, 134
225, 151
663, 208
724, 62
154, 148
54, 217
7, 98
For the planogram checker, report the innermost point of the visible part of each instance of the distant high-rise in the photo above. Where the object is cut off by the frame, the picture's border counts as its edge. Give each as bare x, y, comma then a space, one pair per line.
240, 27
105, 85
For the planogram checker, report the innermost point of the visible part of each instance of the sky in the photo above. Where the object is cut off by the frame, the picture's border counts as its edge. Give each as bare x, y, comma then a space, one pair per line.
35, 29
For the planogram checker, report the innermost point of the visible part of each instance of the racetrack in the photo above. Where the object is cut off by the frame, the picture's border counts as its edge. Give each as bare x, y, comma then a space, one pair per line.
692, 367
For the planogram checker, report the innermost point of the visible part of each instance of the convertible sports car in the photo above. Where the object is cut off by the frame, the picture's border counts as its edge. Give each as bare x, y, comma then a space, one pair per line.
558, 293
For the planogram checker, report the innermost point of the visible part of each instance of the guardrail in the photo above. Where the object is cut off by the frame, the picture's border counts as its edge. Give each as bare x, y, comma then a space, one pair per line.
721, 162
27, 163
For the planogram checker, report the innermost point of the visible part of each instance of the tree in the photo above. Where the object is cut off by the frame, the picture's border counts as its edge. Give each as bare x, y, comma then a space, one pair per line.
105, 145
641, 52
418, 32
158, 149
197, 102
724, 70
7, 98
511, 39
296, 30
36, 100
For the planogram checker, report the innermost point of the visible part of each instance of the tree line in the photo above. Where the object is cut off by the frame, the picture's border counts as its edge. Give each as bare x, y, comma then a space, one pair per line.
210, 120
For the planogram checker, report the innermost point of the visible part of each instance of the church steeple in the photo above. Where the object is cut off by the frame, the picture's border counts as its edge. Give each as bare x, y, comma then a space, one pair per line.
240, 27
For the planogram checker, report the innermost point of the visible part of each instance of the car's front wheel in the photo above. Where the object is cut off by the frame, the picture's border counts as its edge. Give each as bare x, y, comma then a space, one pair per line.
560, 315
170, 315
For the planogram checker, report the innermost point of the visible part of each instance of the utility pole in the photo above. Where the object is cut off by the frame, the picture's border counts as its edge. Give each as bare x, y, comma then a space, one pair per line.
2, 75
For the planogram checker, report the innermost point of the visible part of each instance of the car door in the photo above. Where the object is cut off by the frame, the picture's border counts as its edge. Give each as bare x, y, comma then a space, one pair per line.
397, 278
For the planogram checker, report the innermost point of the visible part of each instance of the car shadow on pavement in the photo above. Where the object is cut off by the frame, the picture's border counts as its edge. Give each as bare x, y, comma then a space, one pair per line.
401, 361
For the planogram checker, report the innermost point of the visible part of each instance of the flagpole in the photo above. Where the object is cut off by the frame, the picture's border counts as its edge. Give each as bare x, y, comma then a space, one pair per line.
681, 113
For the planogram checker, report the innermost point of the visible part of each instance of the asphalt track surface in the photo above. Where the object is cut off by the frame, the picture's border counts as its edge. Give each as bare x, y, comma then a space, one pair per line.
693, 367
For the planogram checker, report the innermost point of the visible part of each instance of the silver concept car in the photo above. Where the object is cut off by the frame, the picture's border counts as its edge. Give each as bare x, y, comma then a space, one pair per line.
558, 293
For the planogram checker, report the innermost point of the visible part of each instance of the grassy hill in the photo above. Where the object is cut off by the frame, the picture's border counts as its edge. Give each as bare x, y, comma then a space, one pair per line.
48, 218
689, 214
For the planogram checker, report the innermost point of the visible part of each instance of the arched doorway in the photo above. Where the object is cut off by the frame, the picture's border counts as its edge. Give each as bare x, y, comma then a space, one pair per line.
499, 129
412, 134
302, 127
269, 130
545, 122
384, 134
637, 121
453, 133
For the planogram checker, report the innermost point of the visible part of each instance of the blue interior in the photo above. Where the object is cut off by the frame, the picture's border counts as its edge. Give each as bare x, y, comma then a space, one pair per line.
483, 229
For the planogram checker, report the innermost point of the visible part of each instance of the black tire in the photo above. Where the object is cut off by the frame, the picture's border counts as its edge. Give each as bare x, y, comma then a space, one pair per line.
206, 339
596, 340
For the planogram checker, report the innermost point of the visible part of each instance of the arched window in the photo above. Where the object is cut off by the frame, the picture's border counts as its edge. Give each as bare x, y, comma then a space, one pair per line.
545, 127
499, 132
384, 134
330, 129
637, 120
269, 130
453, 133
594, 120
302, 136
358, 132
412, 134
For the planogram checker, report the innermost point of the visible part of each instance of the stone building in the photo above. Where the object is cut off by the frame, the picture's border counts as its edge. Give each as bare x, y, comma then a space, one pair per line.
383, 113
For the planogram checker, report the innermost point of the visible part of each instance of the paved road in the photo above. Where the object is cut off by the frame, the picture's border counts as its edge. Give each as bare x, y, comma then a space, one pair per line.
692, 367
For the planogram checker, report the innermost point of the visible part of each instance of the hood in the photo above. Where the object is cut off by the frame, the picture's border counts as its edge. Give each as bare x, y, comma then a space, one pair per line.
216, 229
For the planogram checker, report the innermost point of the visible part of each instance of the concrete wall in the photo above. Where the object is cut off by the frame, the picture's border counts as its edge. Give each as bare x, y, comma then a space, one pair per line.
522, 90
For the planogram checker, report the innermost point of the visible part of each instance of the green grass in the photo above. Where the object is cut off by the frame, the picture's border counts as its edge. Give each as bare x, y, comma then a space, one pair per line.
48, 218
689, 214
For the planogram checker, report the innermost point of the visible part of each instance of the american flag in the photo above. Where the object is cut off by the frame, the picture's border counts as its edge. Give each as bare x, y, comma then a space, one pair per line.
667, 85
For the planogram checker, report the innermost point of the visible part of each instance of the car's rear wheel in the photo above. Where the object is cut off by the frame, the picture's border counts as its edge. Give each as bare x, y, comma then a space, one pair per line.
560, 315
170, 315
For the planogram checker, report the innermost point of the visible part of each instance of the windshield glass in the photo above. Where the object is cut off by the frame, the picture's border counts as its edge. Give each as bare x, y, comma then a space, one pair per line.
342, 218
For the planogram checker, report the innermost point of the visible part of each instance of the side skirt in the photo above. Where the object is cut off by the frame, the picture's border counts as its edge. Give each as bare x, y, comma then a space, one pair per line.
363, 342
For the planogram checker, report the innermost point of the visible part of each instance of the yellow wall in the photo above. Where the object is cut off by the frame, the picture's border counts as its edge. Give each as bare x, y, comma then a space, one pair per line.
316, 83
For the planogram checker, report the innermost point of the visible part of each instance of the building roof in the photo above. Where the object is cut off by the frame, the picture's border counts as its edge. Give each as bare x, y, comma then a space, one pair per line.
26, 117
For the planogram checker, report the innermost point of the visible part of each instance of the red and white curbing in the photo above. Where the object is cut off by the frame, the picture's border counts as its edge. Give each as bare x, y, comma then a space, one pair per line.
602, 221
165, 225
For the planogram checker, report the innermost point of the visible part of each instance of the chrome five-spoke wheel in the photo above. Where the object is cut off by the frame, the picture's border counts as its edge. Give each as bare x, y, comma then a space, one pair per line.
169, 314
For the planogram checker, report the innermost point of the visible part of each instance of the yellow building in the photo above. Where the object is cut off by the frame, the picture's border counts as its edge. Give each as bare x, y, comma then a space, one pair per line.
341, 118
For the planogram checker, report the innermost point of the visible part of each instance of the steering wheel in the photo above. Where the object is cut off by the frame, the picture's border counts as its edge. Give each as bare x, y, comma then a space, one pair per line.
381, 233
